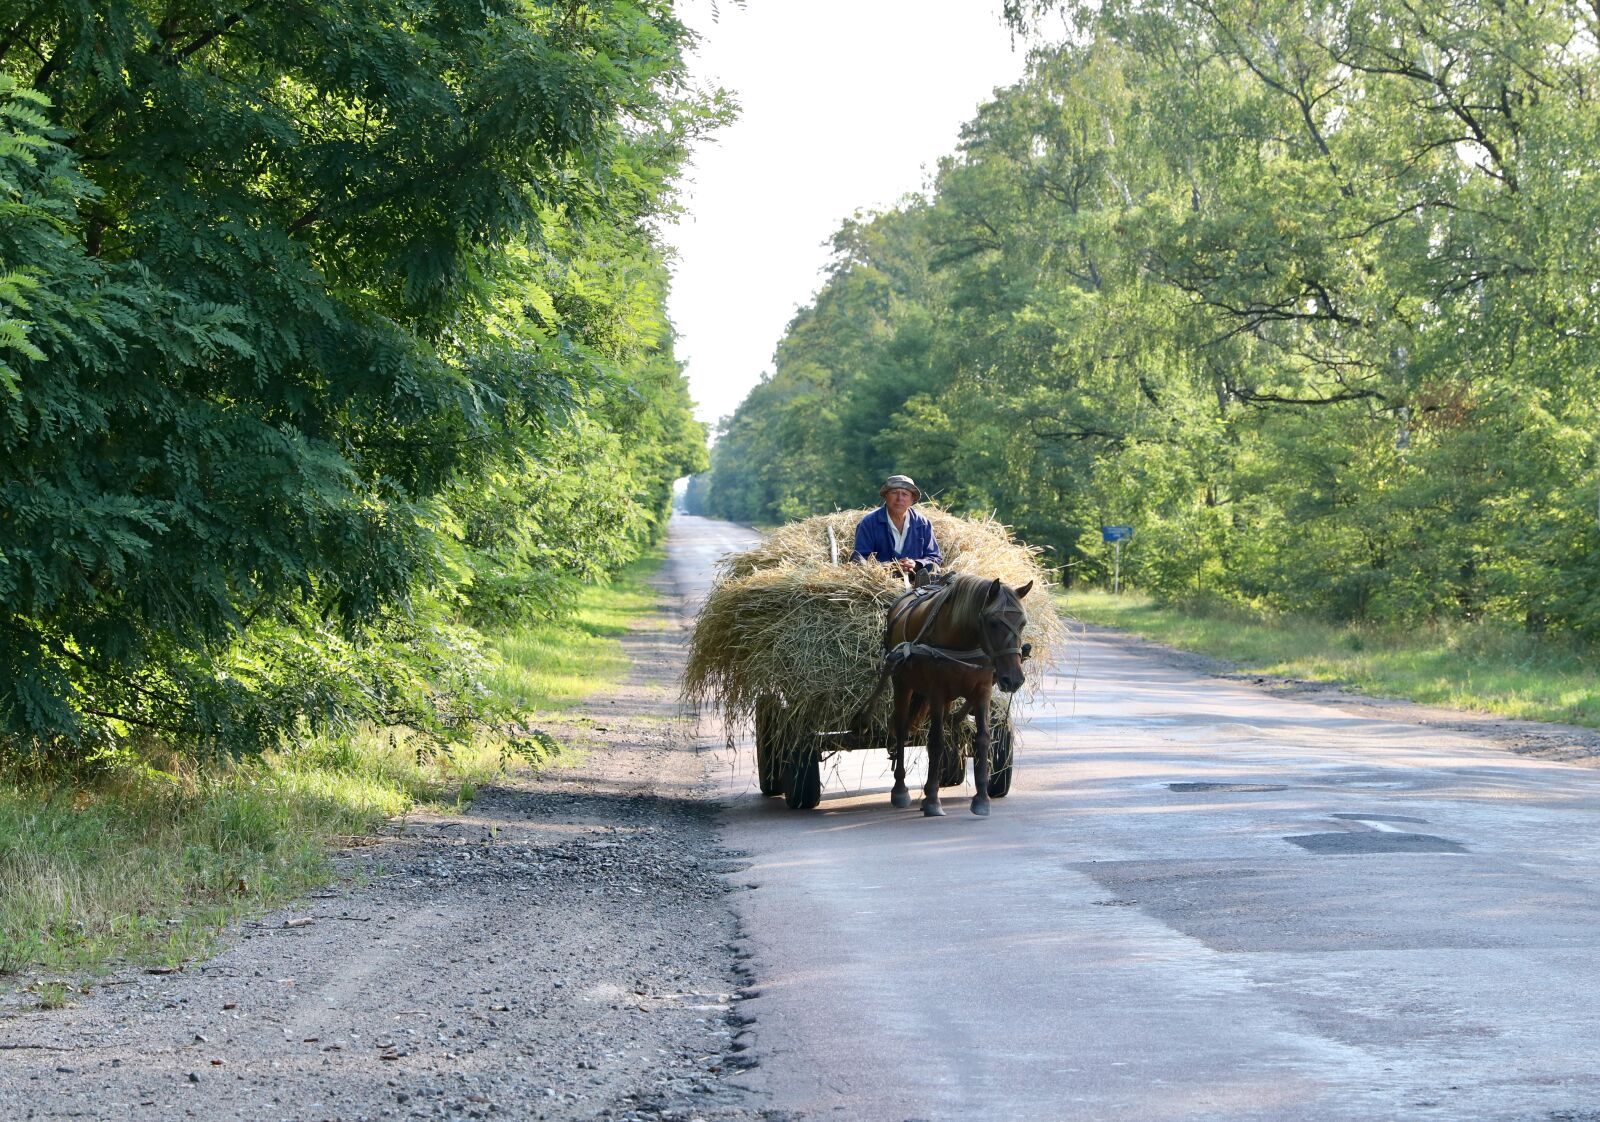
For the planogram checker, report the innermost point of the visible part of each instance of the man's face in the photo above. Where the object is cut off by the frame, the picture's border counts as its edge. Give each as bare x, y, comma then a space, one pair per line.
898, 500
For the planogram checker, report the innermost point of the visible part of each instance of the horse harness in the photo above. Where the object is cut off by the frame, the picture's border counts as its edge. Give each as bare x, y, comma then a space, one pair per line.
939, 591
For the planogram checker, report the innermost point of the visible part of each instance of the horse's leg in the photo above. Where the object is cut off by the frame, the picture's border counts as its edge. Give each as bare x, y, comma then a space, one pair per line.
937, 704
904, 711
981, 757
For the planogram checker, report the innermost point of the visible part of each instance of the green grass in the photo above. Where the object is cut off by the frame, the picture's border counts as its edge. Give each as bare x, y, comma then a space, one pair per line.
1487, 667
54, 994
551, 666
148, 863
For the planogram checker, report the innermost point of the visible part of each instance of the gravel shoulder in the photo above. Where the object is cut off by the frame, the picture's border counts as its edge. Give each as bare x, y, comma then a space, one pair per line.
565, 949
1537, 739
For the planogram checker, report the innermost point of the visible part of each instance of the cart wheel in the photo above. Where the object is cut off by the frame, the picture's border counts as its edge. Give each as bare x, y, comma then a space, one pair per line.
802, 779
953, 768
769, 760
1004, 766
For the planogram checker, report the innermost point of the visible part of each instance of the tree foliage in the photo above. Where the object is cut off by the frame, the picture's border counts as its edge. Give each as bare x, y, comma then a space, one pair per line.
1304, 292
328, 328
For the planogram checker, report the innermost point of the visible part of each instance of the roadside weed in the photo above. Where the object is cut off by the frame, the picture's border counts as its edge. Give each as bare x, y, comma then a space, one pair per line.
151, 857
553, 666
52, 995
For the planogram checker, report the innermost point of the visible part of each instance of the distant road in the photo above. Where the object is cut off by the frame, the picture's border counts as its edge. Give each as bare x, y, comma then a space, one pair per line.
1200, 901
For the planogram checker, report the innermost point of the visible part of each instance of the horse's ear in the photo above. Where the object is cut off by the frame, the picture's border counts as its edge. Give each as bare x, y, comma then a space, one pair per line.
994, 591
1023, 591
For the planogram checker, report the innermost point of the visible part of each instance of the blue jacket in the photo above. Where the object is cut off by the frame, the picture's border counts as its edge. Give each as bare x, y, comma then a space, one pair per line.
875, 539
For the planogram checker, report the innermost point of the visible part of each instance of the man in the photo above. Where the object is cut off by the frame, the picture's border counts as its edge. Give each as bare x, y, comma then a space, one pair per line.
895, 533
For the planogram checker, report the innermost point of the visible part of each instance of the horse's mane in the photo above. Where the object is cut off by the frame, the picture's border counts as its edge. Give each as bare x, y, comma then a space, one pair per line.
959, 603
967, 596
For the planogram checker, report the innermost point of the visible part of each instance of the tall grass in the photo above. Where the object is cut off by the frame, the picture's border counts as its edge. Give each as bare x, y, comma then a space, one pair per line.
1488, 667
546, 666
148, 864
148, 861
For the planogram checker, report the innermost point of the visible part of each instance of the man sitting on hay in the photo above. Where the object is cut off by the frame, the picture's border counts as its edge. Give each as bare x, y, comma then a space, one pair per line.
895, 533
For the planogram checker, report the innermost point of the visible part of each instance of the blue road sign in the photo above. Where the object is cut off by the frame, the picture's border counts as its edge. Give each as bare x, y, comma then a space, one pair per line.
1116, 533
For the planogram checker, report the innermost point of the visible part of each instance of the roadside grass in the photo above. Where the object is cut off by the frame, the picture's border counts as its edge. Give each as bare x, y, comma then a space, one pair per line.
148, 860
552, 666
1486, 667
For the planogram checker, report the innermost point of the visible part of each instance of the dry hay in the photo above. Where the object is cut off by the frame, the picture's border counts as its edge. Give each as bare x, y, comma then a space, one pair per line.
979, 545
783, 622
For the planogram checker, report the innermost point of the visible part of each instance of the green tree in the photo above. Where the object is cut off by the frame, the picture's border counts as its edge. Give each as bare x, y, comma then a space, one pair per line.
284, 286
1302, 292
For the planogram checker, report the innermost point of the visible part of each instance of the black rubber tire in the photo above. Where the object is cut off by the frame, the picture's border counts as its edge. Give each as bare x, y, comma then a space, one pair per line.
769, 754
802, 779
1004, 748
953, 767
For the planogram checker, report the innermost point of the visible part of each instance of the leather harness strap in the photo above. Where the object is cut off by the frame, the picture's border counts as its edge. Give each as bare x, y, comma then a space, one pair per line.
934, 594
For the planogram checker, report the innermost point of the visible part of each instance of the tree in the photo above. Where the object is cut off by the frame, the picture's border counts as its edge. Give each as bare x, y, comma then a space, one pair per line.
287, 284
1301, 292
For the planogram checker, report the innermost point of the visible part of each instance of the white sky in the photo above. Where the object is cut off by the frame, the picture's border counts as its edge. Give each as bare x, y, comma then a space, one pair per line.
846, 105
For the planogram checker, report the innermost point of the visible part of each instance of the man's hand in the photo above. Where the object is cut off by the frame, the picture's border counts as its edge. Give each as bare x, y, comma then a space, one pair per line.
904, 564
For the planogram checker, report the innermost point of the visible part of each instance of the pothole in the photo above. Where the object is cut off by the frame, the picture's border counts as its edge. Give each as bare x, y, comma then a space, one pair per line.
1361, 842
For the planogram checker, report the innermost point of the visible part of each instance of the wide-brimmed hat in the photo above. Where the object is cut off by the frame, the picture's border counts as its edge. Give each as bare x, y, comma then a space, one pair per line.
903, 482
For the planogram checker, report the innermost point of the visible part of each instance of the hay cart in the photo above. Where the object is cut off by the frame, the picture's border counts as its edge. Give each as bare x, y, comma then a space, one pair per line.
789, 761
789, 642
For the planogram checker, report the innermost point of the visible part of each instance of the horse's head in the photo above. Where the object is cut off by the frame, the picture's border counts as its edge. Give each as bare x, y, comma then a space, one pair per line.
1001, 633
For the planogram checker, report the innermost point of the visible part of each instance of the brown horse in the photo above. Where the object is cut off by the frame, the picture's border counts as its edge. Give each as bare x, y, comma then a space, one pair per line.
956, 642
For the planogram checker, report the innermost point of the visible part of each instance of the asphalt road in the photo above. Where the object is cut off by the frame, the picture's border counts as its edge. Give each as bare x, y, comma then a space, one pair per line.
1201, 900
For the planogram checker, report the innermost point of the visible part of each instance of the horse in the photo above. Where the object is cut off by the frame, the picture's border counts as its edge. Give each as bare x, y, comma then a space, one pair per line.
958, 641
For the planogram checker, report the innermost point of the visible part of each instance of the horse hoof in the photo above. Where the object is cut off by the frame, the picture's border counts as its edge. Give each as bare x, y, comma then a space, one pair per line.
932, 810
980, 809
900, 798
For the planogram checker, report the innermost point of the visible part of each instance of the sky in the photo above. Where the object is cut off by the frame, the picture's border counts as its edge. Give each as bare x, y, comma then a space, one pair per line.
846, 106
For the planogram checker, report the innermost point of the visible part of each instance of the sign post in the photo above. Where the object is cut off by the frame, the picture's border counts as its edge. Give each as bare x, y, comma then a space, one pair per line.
1116, 535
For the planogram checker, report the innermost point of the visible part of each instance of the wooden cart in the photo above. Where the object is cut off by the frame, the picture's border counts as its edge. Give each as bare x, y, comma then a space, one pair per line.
794, 769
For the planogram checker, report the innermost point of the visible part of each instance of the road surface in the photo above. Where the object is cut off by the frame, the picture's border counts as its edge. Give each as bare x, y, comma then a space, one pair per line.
1200, 901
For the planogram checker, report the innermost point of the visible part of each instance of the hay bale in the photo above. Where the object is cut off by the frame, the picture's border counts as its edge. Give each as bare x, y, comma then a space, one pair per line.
786, 629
